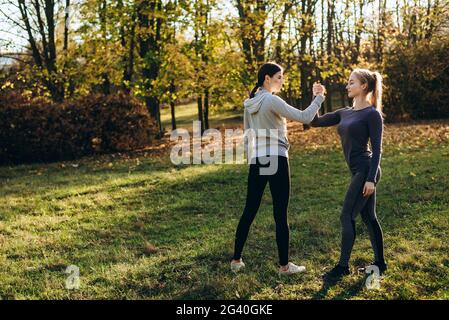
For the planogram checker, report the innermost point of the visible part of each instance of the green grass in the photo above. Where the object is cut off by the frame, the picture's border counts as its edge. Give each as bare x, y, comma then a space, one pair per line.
185, 114
102, 215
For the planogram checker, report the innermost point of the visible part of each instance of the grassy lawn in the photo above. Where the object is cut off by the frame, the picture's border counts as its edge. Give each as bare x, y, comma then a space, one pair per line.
185, 114
139, 227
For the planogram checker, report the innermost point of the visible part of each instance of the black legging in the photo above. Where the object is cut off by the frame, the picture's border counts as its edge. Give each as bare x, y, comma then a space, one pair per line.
354, 203
280, 192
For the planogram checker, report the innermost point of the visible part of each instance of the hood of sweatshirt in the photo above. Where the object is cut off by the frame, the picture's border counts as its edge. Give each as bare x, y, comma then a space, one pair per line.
253, 104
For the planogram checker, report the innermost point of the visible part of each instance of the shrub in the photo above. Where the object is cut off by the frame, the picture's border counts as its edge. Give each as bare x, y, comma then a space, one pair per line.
417, 81
40, 130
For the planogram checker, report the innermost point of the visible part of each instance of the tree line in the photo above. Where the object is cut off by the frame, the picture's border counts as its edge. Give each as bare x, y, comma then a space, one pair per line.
208, 51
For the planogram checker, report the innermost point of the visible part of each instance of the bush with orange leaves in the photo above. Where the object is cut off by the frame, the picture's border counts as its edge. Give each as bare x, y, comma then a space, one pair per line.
35, 130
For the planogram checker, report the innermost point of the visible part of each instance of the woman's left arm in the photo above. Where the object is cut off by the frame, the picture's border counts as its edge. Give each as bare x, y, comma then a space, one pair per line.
375, 126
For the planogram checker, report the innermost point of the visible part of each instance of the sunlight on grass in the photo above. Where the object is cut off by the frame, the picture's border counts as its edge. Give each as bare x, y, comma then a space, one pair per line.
148, 229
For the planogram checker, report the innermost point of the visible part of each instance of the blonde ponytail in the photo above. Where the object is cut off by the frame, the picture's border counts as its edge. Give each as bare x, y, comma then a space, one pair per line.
377, 92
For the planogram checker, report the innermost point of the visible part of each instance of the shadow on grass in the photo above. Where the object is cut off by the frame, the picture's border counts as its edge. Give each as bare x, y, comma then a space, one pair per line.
205, 229
347, 293
198, 215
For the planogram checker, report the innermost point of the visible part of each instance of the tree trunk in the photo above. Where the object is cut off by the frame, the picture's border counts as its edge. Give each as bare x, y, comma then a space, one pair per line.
329, 48
44, 53
102, 7
172, 105
206, 109
66, 26
149, 50
200, 112
252, 36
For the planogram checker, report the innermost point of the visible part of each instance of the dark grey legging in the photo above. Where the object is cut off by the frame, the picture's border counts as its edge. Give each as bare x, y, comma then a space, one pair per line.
354, 203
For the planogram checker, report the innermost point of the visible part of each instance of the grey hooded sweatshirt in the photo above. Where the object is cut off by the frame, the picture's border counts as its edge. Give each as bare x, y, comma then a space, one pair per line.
266, 115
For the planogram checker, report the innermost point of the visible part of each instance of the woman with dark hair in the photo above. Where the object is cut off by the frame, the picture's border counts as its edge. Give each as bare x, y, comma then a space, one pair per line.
265, 115
356, 125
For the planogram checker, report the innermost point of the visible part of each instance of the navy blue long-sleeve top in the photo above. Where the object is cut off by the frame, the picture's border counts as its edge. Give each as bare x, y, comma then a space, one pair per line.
355, 128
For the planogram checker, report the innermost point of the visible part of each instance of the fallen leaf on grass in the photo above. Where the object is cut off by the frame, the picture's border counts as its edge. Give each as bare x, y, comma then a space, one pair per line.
150, 249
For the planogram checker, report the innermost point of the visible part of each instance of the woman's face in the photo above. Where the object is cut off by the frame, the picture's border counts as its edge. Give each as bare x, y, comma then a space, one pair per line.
275, 82
355, 87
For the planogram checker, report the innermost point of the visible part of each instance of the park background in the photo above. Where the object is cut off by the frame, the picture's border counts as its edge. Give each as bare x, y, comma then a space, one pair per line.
91, 89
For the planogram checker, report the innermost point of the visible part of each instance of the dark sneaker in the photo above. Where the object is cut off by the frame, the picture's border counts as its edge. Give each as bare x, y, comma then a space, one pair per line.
381, 265
337, 272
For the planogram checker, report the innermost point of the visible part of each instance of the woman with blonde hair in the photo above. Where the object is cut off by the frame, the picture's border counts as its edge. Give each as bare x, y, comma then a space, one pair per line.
356, 125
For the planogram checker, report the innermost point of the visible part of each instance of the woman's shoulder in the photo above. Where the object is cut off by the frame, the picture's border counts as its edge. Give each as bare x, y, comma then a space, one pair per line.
275, 98
374, 117
343, 109
373, 113
274, 102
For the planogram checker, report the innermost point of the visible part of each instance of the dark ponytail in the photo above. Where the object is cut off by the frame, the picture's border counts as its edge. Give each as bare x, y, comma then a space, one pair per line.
253, 92
267, 69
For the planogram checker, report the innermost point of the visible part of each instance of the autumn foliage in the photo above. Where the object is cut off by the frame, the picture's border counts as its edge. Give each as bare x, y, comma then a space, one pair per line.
41, 130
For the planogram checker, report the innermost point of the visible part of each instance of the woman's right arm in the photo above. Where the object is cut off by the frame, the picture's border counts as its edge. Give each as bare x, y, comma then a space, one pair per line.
327, 119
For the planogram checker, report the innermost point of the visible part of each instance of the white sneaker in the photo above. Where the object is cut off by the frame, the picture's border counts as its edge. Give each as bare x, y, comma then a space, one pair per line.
291, 269
237, 266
